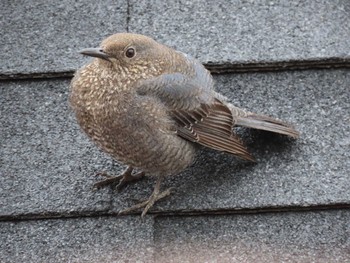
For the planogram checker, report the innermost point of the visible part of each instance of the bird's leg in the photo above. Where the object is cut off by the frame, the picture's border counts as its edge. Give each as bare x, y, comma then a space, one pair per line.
155, 196
123, 179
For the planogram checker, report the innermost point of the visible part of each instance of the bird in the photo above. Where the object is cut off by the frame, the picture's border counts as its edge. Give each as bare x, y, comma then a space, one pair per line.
152, 108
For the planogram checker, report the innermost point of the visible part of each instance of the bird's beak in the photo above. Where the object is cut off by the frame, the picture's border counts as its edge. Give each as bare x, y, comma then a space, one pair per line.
95, 52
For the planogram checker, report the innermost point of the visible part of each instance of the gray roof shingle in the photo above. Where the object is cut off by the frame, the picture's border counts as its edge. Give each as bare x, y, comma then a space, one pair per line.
292, 205
48, 164
287, 237
44, 37
248, 31
291, 237
99, 239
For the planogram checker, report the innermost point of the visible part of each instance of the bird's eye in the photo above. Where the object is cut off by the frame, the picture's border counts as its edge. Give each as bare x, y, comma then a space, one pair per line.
130, 52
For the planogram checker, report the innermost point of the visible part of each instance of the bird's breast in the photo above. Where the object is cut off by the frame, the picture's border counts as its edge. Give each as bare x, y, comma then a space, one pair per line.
136, 130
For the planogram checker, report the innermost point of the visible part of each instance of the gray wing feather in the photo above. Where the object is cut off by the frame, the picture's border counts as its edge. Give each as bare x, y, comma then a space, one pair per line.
199, 115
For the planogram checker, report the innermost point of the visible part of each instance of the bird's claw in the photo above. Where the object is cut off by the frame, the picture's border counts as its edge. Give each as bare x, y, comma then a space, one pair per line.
110, 180
123, 179
147, 204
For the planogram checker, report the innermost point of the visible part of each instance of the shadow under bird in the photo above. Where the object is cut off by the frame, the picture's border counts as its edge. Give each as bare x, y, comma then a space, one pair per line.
150, 107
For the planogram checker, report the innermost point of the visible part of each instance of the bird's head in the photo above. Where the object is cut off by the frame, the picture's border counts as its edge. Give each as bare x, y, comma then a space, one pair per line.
127, 50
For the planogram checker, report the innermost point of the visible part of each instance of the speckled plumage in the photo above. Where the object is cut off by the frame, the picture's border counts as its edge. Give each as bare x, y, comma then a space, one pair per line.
149, 106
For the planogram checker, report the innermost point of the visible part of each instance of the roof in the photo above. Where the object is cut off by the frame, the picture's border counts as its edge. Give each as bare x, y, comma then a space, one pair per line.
287, 60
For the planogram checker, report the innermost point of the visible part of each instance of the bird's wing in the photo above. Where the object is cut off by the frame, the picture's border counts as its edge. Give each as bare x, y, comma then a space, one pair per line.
200, 117
211, 126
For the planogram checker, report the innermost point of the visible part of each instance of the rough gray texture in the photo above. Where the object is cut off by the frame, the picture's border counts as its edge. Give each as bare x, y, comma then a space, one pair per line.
287, 237
42, 153
45, 36
48, 165
270, 237
101, 239
247, 31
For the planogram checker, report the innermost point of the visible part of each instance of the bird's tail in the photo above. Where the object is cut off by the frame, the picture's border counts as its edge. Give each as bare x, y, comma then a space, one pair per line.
257, 121
261, 122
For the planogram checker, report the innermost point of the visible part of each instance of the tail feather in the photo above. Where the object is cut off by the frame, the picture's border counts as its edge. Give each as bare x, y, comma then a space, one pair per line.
256, 121
266, 123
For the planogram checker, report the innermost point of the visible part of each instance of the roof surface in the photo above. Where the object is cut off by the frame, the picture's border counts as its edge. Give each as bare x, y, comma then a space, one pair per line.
287, 60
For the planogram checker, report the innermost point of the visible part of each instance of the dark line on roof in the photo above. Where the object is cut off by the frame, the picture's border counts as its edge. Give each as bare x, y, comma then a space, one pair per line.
216, 68
192, 212
128, 15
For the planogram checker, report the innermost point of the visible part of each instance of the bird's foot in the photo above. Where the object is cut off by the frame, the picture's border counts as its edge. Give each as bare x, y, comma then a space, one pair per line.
155, 196
123, 179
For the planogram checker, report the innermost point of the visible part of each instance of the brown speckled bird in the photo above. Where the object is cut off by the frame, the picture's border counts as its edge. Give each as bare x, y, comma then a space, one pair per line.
149, 107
